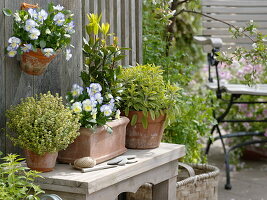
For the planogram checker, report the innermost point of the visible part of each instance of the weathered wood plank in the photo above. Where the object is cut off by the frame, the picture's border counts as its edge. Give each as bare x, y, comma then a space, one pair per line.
61, 74
212, 24
224, 31
18, 84
239, 17
132, 33
117, 19
234, 3
238, 10
139, 32
2, 81
125, 29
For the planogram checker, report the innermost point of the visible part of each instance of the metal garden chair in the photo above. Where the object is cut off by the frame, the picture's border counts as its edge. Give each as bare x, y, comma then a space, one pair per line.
217, 37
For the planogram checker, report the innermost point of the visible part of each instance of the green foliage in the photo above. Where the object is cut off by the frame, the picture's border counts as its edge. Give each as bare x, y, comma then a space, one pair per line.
255, 56
144, 89
192, 123
101, 59
42, 124
16, 181
168, 41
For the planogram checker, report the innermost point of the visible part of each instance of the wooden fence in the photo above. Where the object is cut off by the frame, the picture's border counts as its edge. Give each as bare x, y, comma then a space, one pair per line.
125, 17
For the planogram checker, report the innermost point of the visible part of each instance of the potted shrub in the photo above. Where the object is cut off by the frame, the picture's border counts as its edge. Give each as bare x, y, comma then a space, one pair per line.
100, 137
148, 101
38, 35
42, 126
96, 101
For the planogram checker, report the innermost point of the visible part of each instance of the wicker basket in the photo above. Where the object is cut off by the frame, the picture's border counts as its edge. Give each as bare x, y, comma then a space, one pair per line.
194, 182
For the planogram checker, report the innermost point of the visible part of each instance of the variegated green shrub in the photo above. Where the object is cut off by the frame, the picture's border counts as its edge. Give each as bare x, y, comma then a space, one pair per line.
143, 89
42, 124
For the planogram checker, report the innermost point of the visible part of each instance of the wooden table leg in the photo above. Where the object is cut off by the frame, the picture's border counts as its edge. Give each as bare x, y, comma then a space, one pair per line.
165, 190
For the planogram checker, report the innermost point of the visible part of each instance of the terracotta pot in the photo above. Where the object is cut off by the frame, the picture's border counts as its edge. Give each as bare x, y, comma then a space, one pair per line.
35, 63
137, 137
99, 145
42, 163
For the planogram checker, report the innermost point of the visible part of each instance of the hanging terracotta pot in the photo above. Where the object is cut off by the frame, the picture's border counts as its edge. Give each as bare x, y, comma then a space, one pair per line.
35, 63
41, 163
138, 137
98, 144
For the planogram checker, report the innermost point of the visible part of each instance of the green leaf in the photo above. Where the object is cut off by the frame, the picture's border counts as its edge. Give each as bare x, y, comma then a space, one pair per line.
152, 114
120, 57
127, 111
7, 12
144, 122
134, 120
42, 44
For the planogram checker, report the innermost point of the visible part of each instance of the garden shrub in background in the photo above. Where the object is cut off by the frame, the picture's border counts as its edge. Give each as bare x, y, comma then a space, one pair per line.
168, 42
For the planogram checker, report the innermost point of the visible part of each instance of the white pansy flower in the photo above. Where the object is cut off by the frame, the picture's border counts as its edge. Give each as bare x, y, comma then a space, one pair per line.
77, 107
95, 87
48, 52
251, 21
58, 7
30, 24
34, 34
47, 31
70, 27
33, 13
107, 111
12, 53
59, 19
87, 105
14, 42
42, 15
17, 17
26, 47
98, 97
68, 54
76, 90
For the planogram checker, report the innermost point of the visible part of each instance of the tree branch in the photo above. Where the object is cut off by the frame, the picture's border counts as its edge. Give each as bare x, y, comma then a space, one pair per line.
213, 18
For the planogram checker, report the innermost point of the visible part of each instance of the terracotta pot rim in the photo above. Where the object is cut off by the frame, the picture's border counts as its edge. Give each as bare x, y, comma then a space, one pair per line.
113, 123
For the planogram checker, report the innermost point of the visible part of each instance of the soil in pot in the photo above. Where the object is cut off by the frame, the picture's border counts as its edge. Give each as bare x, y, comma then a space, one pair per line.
98, 144
138, 137
41, 163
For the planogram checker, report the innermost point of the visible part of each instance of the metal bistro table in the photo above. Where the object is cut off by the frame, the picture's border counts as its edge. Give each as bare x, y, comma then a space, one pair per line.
157, 166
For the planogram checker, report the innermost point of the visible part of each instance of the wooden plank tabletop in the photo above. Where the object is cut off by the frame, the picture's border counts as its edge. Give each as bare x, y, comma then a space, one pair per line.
65, 178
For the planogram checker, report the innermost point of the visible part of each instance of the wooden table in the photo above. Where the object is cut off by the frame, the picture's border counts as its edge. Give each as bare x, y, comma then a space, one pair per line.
157, 166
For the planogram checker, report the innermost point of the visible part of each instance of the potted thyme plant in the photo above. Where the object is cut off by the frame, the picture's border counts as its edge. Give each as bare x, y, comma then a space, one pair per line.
149, 102
38, 35
102, 135
42, 126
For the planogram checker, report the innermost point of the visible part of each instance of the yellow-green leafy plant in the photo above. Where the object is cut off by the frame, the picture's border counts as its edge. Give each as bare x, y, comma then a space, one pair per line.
144, 89
16, 181
102, 54
42, 124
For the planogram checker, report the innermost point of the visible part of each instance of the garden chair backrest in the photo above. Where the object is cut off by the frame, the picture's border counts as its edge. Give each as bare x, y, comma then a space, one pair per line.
236, 12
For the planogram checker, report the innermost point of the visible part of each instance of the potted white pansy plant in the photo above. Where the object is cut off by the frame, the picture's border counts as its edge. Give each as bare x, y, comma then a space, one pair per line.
38, 35
103, 131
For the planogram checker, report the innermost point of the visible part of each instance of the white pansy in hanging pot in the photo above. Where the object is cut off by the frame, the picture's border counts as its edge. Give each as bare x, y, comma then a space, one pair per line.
39, 35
